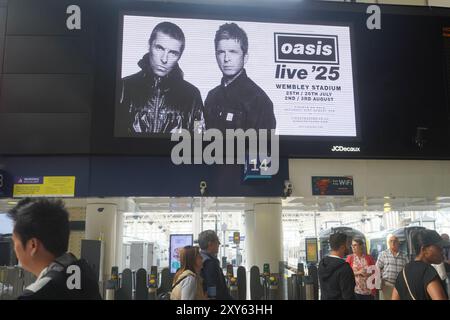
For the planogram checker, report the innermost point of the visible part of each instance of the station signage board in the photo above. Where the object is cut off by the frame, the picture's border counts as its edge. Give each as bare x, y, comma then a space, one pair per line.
332, 186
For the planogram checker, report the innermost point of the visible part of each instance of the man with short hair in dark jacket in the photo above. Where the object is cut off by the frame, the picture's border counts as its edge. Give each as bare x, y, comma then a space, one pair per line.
41, 237
337, 281
157, 99
213, 278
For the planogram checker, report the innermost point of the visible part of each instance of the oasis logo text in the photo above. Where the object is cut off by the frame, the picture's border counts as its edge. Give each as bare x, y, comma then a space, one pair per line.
345, 149
304, 48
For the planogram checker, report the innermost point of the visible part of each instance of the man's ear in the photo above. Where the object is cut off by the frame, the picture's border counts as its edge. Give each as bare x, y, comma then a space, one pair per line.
246, 58
33, 246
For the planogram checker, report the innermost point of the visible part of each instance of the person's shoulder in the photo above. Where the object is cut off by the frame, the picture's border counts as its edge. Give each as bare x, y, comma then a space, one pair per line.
189, 278
346, 266
421, 265
133, 77
214, 91
208, 262
47, 288
212, 98
249, 84
255, 89
188, 87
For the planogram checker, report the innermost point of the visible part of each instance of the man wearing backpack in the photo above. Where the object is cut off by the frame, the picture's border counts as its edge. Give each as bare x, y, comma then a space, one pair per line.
41, 238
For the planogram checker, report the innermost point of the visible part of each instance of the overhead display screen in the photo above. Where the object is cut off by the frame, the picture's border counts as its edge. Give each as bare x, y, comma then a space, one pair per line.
198, 74
178, 242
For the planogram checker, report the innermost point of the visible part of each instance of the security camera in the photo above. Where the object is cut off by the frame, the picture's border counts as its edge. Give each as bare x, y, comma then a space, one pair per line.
203, 187
100, 209
287, 191
420, 139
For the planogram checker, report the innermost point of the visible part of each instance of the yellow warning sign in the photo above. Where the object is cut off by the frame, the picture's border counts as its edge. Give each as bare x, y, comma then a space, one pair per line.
58, 186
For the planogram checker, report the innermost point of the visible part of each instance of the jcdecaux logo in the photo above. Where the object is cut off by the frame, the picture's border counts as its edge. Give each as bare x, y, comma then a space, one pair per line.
345, 149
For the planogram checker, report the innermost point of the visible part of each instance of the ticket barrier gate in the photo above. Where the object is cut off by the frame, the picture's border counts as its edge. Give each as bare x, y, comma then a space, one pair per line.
120, 286
153, 283
309, 288
137, 285
263, 286
313, 273
296, 284
112, 285
232, 282
242, 283
301, 286
272, 288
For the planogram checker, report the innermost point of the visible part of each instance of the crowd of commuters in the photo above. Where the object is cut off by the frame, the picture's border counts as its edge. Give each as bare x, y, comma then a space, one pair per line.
41, 235
401, 279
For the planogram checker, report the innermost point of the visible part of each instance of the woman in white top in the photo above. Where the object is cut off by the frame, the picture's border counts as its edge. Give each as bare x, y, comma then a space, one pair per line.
187, 283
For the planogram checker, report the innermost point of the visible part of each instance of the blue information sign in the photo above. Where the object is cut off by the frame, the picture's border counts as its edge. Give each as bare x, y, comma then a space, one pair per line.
253, 168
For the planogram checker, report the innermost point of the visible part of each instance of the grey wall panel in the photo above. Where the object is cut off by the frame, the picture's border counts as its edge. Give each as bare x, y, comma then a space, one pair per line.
44, 133
47, 54
41, 93
2, 21
39, 17
2, 47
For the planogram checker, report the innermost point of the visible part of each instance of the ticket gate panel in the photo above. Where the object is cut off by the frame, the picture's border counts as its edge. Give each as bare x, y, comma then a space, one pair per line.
242, 283
141, 285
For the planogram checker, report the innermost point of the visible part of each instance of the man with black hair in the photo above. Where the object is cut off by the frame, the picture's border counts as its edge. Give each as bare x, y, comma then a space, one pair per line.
337, 281
157, 99
238, 102
41, 238
213, 278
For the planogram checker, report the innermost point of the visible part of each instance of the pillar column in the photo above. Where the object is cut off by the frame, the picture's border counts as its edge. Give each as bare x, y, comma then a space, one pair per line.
197, 219
263, 234
104, 222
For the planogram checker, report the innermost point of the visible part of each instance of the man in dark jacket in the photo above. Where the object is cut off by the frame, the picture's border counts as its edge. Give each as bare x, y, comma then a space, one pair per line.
337, 281
157, 99
41, 237
213, 278
238, 102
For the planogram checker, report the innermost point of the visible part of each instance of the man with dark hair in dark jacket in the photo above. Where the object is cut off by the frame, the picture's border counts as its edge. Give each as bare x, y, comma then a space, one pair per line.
41, 237
213, 278
238, 102
157, 99
337, 281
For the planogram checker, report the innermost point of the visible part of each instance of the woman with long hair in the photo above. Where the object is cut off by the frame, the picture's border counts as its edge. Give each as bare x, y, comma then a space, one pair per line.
187, 283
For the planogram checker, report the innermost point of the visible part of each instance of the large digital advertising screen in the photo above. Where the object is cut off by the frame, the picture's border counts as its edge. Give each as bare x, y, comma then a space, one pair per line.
197, 74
